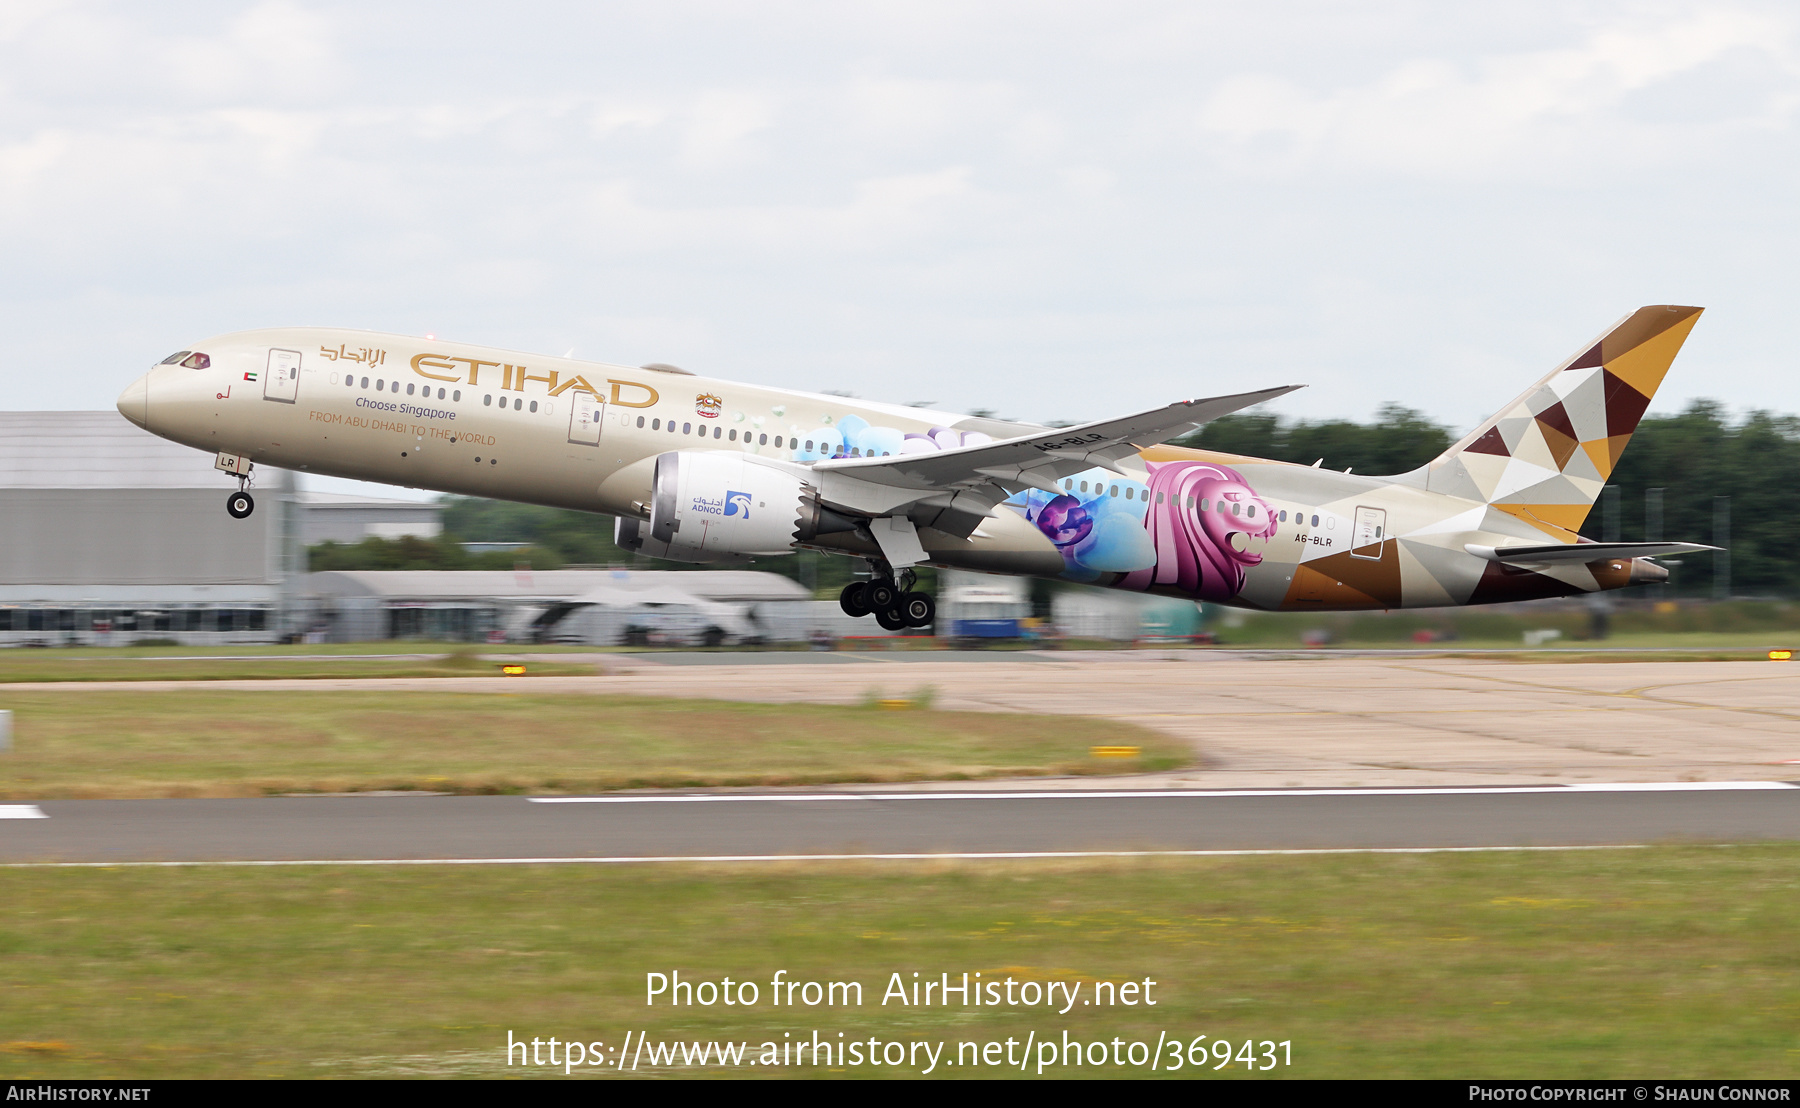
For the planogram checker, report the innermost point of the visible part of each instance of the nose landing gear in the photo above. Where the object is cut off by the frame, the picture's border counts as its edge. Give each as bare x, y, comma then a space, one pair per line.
240, 504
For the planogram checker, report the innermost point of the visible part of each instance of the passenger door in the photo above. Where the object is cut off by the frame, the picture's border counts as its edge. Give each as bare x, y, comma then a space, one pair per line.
281, 378
585, 410
1366, 539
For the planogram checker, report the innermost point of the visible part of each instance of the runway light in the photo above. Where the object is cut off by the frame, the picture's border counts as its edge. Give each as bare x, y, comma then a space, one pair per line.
894, 704
1113, 751
1781, 655
513, 671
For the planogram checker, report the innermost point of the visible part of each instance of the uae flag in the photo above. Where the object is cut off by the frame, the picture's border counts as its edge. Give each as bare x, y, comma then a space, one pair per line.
249, 376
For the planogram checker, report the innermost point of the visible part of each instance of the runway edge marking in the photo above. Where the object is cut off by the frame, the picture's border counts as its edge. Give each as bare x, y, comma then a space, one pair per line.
977, 856
1177, 794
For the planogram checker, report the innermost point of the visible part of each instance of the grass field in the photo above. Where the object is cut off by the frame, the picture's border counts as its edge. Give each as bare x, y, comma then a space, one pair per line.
1664, 962
224, 743
129, 665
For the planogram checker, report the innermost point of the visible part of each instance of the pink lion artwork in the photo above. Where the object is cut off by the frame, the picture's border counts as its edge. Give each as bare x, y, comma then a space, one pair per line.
1195, 510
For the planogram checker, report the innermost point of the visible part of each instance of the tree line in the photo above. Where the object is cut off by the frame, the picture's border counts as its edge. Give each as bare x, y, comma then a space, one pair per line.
1694, 457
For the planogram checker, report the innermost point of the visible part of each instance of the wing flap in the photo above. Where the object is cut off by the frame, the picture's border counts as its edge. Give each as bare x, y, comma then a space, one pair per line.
1582, 553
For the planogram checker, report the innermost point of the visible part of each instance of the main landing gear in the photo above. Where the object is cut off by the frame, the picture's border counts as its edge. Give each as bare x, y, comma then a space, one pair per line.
895, 606
240, 503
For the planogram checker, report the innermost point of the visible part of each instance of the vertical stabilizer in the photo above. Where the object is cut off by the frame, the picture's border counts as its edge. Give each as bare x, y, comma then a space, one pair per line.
1545, 457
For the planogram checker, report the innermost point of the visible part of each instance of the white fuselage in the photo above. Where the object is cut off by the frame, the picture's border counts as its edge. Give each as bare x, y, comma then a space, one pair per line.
476, 421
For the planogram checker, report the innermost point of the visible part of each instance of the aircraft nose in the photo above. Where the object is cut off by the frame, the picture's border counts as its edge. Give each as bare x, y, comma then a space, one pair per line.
134, 402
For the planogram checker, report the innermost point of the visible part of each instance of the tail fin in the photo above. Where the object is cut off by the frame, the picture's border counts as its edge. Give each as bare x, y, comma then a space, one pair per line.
1546, 456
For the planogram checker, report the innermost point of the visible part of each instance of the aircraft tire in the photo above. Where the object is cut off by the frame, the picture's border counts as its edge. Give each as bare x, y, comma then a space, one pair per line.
881, 596
854, 599
239, 505
918, 608
891, 620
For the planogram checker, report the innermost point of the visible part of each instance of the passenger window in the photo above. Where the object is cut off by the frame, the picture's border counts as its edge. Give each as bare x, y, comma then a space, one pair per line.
687, 428
1128, 495
365, 383
1084, 486
518, 402
734, 434
457, 395
655, 424
534, 405
717, 431
488, 399
380, 384
809, 444
1205, 504
1252, 512
1190, 502
640, 421
1159, 498
1315, 521
440, 394
762, 440
1282, 518
1069, 484
351, 381
1115, 490
777, 440
409, 388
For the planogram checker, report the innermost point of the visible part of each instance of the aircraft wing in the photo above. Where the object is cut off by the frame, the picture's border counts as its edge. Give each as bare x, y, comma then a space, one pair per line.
1583, 552
954, 489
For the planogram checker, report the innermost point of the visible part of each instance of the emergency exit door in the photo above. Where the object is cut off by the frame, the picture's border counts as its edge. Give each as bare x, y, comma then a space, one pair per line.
584, 418
281, 377
1370, 529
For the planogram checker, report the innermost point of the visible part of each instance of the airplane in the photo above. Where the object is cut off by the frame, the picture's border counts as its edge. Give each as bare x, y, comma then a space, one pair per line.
702, 470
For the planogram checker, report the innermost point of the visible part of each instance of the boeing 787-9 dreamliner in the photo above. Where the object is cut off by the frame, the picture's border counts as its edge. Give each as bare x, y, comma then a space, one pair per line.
703, 470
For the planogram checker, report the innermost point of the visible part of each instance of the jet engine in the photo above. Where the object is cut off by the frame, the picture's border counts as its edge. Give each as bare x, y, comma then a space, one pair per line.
716, 506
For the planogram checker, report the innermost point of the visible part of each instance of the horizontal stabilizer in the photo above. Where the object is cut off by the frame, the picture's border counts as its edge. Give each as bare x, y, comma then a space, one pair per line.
1583, 552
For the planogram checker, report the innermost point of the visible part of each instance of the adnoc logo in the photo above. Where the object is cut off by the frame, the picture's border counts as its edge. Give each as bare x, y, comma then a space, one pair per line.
737, 504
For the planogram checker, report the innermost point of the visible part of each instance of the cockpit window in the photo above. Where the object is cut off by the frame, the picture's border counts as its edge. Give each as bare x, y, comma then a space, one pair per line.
175, 357
196, 361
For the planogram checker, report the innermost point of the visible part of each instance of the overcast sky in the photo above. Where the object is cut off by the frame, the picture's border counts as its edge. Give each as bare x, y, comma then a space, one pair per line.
1058, 211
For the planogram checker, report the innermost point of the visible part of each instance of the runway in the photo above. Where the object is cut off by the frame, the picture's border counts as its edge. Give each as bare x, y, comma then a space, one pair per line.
872, 824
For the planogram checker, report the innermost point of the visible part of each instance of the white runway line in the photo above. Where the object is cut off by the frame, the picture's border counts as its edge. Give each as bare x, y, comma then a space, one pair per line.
1154, 794
21, 811
976, 856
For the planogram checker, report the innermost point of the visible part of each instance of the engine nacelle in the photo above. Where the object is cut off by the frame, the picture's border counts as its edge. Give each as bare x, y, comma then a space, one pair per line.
716, 506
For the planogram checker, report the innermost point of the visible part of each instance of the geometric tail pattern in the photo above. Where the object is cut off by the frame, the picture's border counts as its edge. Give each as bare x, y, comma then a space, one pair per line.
1546, 456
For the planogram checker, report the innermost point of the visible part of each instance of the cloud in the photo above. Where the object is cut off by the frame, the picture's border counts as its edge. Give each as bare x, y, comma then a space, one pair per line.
1517, 114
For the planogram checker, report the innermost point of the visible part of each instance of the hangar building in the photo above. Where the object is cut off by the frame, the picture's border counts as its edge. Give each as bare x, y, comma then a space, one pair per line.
607, 607
109, 535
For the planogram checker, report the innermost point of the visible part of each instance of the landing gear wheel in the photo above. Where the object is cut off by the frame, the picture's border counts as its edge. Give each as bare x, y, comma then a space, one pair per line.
853, 599
917, 608
240, 505
881, 596
891, 620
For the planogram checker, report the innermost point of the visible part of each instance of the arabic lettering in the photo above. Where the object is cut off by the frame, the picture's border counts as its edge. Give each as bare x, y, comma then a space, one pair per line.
365, 355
